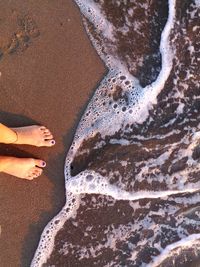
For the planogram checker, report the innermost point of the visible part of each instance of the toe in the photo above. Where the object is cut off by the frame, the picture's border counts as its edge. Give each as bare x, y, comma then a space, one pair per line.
40, 163
30, 177
48, 136
49, 142
37, 172
43, 128
46, 130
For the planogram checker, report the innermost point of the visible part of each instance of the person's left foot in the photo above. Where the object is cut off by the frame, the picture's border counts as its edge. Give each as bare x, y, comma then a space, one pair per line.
26, 168
34, 135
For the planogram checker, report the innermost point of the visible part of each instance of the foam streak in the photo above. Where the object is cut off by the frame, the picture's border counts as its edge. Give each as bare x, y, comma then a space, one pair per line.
187, 242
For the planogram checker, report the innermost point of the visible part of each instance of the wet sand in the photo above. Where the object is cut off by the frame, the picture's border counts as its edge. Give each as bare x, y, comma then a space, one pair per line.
48, 72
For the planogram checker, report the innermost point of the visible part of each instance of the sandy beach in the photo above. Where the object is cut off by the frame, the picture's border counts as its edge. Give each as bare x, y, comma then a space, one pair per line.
48, 72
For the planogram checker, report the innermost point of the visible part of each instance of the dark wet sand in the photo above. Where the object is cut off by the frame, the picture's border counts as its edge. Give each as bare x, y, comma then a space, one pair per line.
49, 71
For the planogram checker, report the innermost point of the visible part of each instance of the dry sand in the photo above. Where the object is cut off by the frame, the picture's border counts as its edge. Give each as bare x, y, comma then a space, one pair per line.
48, 72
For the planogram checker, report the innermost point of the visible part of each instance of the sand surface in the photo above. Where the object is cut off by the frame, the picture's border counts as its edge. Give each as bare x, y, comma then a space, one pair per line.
48, 72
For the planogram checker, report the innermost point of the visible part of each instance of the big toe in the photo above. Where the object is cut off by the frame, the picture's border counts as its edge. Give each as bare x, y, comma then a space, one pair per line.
40, 163
49, 142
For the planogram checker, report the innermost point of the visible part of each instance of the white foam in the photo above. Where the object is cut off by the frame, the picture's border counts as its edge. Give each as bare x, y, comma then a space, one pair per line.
91, 182
107, 120
140, 99
197, 2
171, 250
167, 57
180, 108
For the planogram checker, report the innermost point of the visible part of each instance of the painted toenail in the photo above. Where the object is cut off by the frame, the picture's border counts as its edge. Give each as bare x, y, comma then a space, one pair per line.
43, 164
53, 142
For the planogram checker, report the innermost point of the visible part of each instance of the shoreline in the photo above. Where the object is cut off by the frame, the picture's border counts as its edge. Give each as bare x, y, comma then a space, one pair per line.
43, 81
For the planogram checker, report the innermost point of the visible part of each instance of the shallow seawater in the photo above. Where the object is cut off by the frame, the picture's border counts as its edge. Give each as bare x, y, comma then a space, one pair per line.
132, 172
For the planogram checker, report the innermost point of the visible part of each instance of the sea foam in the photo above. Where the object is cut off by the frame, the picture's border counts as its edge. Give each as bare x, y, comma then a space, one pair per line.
122, 100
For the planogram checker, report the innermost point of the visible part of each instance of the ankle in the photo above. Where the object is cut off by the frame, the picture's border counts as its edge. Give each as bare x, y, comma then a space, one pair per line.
4, 161
12, 138
16, 136
7, 135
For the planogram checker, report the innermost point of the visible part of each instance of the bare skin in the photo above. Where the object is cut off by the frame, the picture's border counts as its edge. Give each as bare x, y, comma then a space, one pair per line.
25, 168
33, 135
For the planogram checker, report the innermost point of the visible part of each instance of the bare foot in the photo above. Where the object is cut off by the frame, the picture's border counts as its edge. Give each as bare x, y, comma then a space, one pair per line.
34, 135
25, 168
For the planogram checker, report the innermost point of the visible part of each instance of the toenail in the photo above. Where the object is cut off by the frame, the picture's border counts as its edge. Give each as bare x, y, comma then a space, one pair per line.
53, 142
43, 164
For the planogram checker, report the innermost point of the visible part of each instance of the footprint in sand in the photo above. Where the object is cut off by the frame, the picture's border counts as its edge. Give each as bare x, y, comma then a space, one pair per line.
22, 36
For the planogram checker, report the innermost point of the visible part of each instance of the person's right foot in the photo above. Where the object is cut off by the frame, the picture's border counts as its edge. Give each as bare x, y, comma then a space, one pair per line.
25, 168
